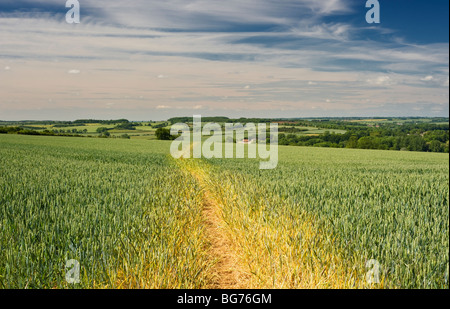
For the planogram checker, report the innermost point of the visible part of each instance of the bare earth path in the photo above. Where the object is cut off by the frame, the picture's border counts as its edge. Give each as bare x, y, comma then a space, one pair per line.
228, 272
265, 257
262, 252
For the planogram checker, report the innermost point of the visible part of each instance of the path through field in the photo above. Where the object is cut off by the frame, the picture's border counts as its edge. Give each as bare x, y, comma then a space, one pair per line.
257, 242
259, 254
228, 271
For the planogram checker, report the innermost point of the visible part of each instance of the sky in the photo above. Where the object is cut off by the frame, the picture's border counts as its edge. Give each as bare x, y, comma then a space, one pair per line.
154, 59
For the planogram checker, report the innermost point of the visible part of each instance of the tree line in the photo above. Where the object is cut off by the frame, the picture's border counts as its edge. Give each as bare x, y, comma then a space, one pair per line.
428, 138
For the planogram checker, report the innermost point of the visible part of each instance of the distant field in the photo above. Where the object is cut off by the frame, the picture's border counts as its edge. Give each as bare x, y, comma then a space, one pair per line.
311, 130
134, 217
321, 131
141, 132
370, 120
403, 120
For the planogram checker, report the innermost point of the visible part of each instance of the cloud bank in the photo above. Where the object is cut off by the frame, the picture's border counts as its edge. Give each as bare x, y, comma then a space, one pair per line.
156, 59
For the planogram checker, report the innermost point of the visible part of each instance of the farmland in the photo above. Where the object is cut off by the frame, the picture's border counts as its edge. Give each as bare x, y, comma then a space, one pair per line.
135, 218
398, 134
337, 209
119, 207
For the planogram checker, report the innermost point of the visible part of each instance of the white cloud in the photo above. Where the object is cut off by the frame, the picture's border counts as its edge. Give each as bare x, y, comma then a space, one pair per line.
342, 66
214, 14
381, 81
163, 107
438, 80
323, 31
427, 78
7, 68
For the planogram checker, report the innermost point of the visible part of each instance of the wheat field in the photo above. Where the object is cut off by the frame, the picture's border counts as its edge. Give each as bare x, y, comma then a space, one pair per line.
136, 218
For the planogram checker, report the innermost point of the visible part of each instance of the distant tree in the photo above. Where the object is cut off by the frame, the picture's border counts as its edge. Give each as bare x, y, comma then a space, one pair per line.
126, 136
352, 142
163, 134
105, 134
436, 146
161, 125
102, 130
367, 142
416, 143
48, 132
126, 126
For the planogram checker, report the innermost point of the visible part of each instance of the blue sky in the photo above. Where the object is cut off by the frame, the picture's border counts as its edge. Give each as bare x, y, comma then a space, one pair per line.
419, 22
257, 58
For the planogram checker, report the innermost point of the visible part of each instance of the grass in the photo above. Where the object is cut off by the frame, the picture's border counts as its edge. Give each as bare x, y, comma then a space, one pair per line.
313, 130
121, 208
331, 211
134, 217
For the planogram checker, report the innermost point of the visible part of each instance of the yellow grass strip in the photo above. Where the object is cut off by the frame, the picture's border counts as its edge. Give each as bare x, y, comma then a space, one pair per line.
285, 250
